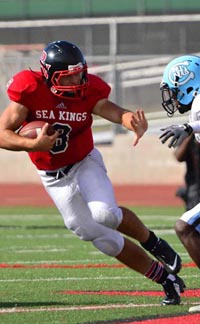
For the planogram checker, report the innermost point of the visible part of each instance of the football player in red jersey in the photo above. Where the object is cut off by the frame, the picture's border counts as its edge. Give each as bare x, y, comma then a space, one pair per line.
72, 169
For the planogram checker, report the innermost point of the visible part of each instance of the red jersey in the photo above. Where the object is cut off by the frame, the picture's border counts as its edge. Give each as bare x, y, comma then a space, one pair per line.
72, 118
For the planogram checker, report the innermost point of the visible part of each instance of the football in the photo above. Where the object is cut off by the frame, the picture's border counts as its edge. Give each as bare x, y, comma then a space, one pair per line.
32, 129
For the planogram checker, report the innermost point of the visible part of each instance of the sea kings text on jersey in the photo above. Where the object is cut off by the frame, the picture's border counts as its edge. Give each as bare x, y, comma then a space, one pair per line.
61, 115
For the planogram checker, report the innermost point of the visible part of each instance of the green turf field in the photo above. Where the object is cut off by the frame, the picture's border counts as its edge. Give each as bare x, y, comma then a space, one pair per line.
49, 276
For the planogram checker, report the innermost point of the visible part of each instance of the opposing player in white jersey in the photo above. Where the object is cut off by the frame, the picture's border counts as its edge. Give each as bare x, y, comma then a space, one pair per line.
180, 88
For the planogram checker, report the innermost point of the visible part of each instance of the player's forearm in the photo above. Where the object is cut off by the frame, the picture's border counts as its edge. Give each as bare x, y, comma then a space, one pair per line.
134, 121
181, 151
13, 142
120, 116
109, 110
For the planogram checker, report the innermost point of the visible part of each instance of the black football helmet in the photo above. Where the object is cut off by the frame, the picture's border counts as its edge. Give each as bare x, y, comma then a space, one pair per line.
62, 58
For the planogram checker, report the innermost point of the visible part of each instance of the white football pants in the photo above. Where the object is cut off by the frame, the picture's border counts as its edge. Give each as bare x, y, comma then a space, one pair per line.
192, 217
86, 201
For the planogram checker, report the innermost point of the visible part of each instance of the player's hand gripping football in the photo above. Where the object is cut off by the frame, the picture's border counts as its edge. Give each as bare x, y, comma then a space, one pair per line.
177, 133
45, 142
136, 121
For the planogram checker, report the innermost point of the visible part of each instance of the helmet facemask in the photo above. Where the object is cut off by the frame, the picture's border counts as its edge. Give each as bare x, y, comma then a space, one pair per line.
73, 90
169, 101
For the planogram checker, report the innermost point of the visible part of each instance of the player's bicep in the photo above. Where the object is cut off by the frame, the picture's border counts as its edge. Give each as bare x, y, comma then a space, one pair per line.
100, 107
13, 116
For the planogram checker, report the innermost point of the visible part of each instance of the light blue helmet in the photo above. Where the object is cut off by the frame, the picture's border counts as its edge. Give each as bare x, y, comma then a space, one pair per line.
180, 83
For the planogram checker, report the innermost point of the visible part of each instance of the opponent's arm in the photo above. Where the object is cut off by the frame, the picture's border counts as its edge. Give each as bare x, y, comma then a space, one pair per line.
181, 151
10, 120
134, 121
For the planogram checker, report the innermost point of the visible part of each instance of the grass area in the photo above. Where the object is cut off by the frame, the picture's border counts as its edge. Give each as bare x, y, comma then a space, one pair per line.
45, 269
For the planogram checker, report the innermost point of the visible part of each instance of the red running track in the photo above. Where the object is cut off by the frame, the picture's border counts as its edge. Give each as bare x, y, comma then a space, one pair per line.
134, 195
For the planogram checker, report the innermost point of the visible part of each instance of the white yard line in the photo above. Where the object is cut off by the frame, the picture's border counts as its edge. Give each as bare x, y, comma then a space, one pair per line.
68, 235
65, 279
41, 236
61, 262
74, 308
82, 278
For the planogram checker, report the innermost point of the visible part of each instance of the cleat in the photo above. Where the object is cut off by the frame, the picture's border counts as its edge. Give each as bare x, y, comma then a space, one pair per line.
194, 309
167, 256
173, 286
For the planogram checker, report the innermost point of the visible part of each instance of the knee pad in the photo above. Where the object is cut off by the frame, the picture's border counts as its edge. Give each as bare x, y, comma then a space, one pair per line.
83, 233
108, 216
108, 241
110, 245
